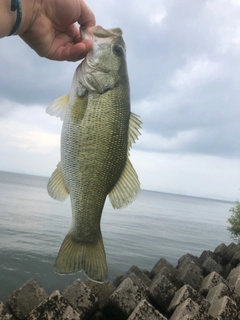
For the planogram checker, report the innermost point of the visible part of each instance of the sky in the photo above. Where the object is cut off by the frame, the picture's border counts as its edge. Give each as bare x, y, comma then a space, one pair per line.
184, 68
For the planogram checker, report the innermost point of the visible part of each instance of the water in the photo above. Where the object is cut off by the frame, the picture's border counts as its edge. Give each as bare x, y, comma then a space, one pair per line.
32, 227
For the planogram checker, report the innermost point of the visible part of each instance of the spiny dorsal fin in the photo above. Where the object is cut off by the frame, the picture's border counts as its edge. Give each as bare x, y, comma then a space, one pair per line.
133, 131
56, 186
126, 189
58, 107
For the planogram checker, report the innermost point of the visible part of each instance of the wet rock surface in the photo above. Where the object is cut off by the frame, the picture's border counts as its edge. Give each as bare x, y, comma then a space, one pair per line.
204, 287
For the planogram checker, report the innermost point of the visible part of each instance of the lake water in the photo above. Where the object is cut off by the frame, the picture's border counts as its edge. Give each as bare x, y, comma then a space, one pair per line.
156, 225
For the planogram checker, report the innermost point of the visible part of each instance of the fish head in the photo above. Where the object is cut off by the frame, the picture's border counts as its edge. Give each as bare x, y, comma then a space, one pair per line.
105, 64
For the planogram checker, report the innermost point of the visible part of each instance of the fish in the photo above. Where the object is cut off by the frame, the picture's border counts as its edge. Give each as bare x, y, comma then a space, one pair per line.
97, 133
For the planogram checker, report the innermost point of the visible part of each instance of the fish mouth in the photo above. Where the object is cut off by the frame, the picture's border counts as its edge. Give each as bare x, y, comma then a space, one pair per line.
90, 33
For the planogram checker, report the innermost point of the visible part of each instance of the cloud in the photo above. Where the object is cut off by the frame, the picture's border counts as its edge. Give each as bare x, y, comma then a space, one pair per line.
30, 141
183, 63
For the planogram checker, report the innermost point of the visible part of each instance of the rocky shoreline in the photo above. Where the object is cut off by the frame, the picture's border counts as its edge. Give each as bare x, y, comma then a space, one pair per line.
198, 288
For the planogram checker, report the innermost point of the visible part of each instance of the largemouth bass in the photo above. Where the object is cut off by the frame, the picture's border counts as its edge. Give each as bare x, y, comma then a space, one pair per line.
98, 131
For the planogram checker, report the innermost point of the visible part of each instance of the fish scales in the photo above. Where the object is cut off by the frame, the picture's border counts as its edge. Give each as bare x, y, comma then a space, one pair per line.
98, 131
94, 153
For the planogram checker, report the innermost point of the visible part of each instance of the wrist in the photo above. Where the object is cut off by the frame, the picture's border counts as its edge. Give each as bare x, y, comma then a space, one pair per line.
30, 9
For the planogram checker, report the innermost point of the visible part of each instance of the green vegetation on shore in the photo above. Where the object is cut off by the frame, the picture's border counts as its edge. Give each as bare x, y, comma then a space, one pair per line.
234, 221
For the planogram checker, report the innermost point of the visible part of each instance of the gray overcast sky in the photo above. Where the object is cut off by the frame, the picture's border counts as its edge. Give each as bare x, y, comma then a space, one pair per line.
183, 62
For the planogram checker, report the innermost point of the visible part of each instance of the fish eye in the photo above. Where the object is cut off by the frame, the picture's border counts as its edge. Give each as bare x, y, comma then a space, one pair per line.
118, 50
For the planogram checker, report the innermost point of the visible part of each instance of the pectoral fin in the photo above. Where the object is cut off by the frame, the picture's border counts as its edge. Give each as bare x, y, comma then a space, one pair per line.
126, 189
58, 107
56, 186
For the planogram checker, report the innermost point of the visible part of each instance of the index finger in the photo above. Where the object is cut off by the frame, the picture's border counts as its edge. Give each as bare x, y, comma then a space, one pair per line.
87, 18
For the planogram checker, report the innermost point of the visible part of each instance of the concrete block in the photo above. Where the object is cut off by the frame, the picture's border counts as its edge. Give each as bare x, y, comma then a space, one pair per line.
81, 298
190, 310
54, 307
209, 282
134, 269
190, 273
185, 258
145, 311
1, 307
164, 268
140, 274
235, 261
101, 290
183, 294
98, 316
210, 265
204, 256
7, 316
123, 300
3, 315
231, 249
234, 272
25, 299
162, 263
162, 291
117, 281
222, 255
218, 292
224, 309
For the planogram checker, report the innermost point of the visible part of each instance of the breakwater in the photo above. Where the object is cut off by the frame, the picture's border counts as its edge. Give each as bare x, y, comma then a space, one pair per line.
204, 287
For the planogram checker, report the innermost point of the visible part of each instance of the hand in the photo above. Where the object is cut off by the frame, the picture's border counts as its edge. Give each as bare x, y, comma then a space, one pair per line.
52, 31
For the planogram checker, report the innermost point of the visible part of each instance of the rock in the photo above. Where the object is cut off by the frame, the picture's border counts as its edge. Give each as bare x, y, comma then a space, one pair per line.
101, 290
226, 270
81, 298
140, 274
209, 282
189, 272
117, 281
1, 307
183, 294
190, 310
146, 272
98, 316
164, 268
123, 300
141, 285
235, 272
3, 315
204, 256
187, 257
234, 280
6, 316
162, 263
224, 309
236, 257
162, 291
54, 307
25, 299
210, 265
145, 311
218, 292
230, 250
222, 255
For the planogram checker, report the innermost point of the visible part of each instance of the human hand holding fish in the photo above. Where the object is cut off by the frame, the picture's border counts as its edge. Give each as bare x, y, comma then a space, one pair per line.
97, 134
49, 27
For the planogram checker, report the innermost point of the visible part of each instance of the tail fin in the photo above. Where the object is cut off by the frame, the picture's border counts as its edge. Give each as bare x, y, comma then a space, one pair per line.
74, 256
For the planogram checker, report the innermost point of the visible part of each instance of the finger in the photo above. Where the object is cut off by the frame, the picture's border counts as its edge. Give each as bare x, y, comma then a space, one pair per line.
87, 18
72, 52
